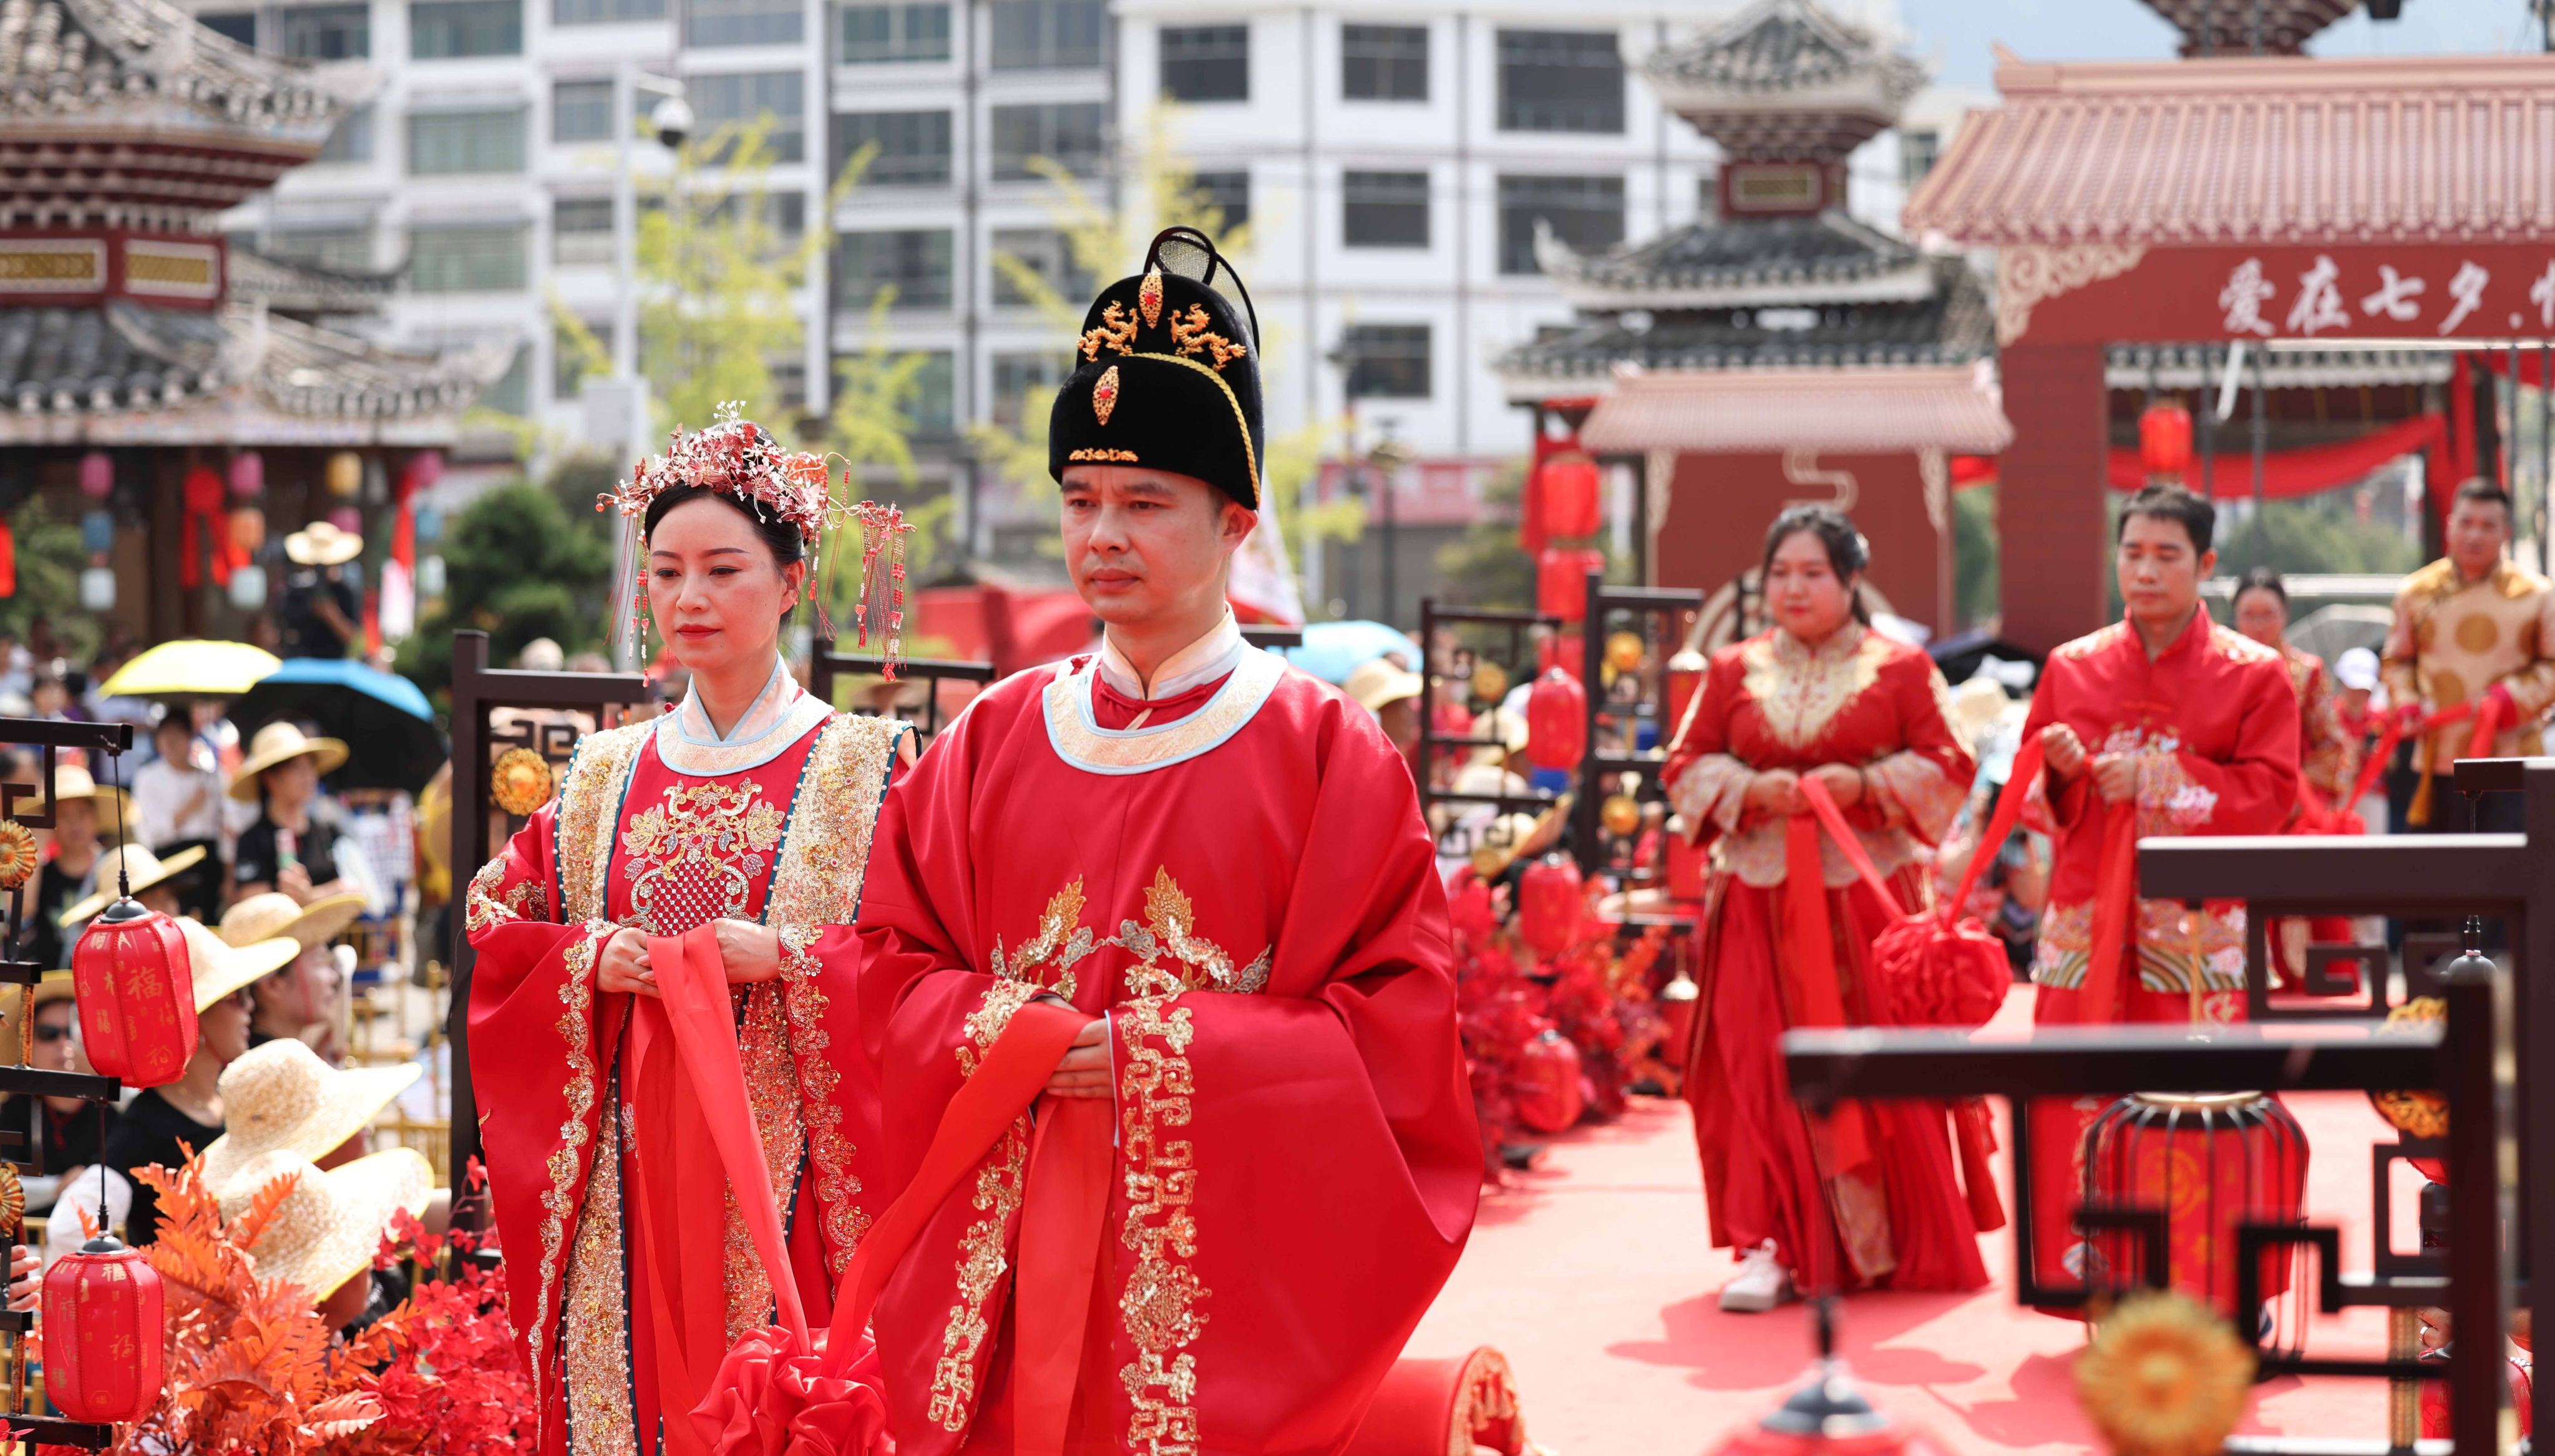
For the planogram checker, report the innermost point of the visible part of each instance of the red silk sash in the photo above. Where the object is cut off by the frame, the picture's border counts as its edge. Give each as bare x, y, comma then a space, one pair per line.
1810, 971
1064, 1222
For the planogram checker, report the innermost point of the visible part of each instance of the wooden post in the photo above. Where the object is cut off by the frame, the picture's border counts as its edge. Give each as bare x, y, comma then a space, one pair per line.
2052, 515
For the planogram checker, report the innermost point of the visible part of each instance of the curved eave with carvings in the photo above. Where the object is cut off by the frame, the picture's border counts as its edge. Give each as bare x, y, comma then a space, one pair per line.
1743, 263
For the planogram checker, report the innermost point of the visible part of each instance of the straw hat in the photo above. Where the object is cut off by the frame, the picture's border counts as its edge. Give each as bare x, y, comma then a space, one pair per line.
222, 970
321, 543
70, 780
264, 916
281, 1097
1382, 681
1976, 707
144, 869
1505, 731
275, 742
330, 1225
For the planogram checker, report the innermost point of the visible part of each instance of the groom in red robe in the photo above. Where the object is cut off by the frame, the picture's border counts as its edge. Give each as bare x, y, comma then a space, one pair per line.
1253, 1171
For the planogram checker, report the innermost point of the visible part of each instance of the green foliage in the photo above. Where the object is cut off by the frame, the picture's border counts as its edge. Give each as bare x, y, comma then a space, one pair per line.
49, 559
1484, 567
1975, 553
518, 564
2320, 532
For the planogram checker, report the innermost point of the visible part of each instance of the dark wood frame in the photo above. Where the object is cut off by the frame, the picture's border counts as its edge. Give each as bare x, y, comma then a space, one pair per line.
1658, 612
1432, 744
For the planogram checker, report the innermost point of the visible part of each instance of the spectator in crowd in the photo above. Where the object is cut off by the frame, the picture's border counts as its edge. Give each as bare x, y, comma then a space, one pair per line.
299, 1002
320, 605
323, 1236
2328, 754
48, 701
177, 803
2354, 675
294, 846
59, 1137
68, 873
132, 869
42, 645
17, 667
1392, 693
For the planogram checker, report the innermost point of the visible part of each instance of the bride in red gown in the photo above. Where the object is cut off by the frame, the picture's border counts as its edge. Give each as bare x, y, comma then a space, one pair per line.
1868, 1197
750, 809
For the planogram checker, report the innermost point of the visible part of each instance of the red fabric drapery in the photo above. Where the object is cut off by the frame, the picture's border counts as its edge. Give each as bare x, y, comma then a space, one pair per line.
2285, 473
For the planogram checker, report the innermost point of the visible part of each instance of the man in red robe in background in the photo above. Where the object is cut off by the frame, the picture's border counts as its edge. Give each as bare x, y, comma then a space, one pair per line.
2161, 723
1222, 862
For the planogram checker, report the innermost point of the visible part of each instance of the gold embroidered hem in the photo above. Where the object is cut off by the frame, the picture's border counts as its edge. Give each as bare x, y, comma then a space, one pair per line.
1000, 1181
596, 1313
1160, 1301
589, 815
2064, 952
575, 1028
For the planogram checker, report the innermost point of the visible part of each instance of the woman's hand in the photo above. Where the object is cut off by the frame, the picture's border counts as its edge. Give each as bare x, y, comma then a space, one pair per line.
1844, 783
624, 965
26, 1287
1083, 1071
1775, 791
751, 952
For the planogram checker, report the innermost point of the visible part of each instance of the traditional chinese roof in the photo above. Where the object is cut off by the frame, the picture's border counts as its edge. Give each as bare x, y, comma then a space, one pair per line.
2436, 149
2230, 27
1824, 258
2184, 366
1950, 409
1952, 323
1786, 80
290, 287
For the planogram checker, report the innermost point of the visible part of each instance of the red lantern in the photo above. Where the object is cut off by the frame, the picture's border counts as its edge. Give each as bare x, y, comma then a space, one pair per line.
1549, 903
1569, 494
248, 475
103, 1323
136, 989
1562, 581
2209, 1164
2164, 441
1685, 679
1549, 1098
1556, 721
97, 475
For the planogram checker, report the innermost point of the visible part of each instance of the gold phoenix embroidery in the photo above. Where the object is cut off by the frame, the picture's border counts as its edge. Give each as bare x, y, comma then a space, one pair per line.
1116, 331
695, 857
1193, 332
1196, 966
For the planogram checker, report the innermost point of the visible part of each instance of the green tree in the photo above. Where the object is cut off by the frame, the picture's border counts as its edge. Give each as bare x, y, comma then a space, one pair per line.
49, 561
1484, 567
2320, 532
1975, 553
518, 564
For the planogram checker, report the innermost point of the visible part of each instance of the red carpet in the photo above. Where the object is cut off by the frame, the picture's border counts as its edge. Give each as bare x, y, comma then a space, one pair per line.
1596, 1277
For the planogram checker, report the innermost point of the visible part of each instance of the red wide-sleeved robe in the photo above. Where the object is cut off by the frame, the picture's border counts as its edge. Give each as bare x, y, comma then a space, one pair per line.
1236, 874
772, 824
2214, 724
1870, 1198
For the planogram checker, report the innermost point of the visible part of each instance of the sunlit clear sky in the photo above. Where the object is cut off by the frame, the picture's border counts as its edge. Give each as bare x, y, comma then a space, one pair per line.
1956, 33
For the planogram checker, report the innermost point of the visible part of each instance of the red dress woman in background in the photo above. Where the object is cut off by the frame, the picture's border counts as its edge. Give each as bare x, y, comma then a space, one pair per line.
1866, 1197
2327, 759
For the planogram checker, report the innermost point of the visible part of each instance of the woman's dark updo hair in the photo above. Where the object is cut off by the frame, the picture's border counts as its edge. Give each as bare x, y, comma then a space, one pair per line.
2261, 579
786, 543
1848, 552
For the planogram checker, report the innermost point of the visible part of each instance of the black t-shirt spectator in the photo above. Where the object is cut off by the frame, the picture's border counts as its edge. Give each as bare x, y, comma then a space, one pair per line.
255, 862
53, 1142
53, 893
151, 1132
302, 631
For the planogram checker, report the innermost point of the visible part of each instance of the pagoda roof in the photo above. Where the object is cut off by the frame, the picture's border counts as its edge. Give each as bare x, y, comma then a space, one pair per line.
2226, 27
1784, 81
290, 287
1824, 258
122, 373
1954, 324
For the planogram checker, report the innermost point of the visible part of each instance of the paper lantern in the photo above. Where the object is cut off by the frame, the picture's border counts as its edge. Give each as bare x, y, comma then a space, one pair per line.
1549, 1098
97, 589
2209, 1164
1549, 904
248, 475
103, 1320
248, 529
136, 989
248, 587
97, 531
345, 474
430, 576
1685, 679
1562, 581
1556, 721
203, 491
422, 471
348, 520
1567, 487
2164, 441
97, 475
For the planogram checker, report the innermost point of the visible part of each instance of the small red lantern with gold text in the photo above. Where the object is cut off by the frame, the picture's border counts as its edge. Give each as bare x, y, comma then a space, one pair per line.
1549, 904
103, 1322
1556, 720
136, 990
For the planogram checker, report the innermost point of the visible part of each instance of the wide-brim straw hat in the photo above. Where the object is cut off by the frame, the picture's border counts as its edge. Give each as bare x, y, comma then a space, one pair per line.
274, 744
331, 1224
274, 913
1505, 731
221, 969
142, 867
114, 805
1380, 681
281, 1097
321, 543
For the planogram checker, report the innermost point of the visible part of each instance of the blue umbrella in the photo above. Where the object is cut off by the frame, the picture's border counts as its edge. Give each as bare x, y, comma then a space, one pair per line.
1334, 650
383, 720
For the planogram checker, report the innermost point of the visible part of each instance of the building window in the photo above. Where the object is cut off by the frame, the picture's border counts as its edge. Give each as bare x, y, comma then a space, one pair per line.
1587, 212
581, 111
1206, 63
1047, 35
746, 100
447, 30
568, 363
1387, 361
512, 394
1073, 135
789, 383
914, 263
1228, 193
744, 22
784, 215
893, 35
443, 143
934, 408
605, 12
326, 31
1384, 210
466, 259
237, 24
1384, 63
1560, 81
581, 230
1918, 151
1016, 376
1046, 253
913, 145
338, 249
352, 138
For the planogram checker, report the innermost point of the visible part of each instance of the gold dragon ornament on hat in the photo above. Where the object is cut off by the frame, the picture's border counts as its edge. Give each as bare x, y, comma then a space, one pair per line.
2164, 1376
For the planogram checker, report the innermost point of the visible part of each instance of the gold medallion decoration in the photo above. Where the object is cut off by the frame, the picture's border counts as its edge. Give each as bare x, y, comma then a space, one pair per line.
13, 1198
2164, 1376
1490, 683
2415, 1114
521, 781
17, 854
1149, 297
1621, 813
1104, 395
1624, 651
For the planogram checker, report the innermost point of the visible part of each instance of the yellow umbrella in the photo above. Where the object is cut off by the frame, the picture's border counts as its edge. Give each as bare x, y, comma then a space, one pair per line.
192, 668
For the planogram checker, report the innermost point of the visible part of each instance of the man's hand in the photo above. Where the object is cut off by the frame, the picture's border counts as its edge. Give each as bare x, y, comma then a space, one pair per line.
1844, 781
2115, 777
2062, 750
1083, 1071
750, 952
1775, 791
624, 966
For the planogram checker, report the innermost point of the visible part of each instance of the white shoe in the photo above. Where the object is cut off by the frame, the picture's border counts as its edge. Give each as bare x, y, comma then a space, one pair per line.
1760, 1283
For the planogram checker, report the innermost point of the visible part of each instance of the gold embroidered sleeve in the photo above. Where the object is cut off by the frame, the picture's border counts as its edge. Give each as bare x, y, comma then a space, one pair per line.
1911, 790
503, 893
1712, 789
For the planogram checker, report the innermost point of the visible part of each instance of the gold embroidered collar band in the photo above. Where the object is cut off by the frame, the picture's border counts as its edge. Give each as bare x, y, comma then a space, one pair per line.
1078, 739
1200, 663
780, 716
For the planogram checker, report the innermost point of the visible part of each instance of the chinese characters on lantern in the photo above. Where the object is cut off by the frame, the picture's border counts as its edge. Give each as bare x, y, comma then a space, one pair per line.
2326, 298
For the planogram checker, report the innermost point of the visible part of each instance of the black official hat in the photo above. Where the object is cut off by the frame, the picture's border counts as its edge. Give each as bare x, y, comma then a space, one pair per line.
1169, 376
